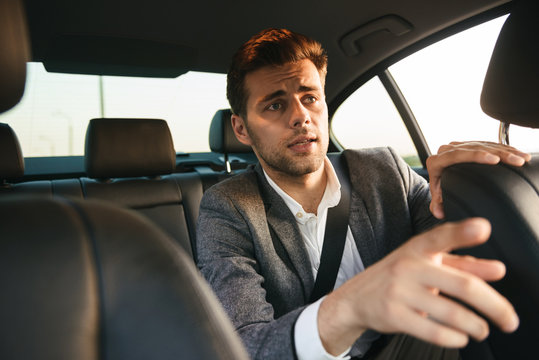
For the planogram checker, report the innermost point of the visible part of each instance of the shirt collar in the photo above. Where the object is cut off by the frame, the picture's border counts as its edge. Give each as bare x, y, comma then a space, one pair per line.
331, 197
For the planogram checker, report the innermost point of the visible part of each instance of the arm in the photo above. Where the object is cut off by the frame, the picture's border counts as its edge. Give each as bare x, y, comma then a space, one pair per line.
404, 292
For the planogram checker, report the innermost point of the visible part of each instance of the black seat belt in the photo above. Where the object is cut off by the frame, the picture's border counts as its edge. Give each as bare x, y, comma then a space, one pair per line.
335, 234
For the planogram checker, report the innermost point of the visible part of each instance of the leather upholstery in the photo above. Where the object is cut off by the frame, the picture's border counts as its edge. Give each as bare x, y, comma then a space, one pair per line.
14, 53
159, 199
128, 153
86, 280
509, 198
222, 137
511, 88
11, 160
128, 147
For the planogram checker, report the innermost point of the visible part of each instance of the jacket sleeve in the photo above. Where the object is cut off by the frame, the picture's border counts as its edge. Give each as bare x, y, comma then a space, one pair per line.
226, 257
419, 196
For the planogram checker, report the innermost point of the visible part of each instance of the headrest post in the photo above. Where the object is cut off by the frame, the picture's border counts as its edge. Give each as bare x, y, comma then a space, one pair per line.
228, 167
503, 133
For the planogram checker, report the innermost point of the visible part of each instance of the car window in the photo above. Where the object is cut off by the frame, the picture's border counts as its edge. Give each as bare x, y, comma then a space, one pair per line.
368, 118
52, 117
442, 84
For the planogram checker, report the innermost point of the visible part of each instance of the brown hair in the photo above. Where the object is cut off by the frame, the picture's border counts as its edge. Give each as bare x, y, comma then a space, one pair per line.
270, 47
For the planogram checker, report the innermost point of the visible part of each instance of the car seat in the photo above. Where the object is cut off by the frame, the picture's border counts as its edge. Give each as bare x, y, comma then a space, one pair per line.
507, 196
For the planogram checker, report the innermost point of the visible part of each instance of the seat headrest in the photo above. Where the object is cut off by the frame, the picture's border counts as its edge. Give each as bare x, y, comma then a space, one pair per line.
128, 148
11, 160
14, 53
222, 137
511, 87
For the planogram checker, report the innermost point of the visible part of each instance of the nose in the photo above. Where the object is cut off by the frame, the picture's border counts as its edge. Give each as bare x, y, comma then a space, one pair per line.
299, 115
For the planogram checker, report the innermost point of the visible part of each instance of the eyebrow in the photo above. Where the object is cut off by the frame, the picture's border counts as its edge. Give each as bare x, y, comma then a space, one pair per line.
273, 95
278, 93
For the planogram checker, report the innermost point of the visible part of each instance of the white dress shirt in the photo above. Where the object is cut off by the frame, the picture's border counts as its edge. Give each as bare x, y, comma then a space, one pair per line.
312, 228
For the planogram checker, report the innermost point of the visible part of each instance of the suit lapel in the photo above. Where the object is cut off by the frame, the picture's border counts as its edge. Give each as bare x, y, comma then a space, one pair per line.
360, 221
362, 230
283, 226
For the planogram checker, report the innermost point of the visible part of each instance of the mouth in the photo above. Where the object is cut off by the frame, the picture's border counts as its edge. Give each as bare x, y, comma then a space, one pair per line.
303, 143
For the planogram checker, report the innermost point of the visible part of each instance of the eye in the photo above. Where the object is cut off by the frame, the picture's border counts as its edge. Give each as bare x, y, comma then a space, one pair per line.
310, 99
275, 106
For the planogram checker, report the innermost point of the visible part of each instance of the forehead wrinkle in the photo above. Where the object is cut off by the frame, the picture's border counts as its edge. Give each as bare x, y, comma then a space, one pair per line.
273, 95
306, 88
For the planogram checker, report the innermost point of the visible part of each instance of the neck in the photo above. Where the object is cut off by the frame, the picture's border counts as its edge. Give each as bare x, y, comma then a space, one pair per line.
307, 189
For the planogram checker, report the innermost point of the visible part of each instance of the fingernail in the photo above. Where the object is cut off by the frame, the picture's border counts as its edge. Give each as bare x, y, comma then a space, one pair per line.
513, 324
482, 332
437, 211
492, 158
477, 227
515, 160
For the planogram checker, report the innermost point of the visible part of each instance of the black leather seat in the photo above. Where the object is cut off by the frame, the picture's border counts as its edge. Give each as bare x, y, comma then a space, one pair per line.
12, 168
88, 280
507, 196
129, 162
14, 53
13, 37
11, 160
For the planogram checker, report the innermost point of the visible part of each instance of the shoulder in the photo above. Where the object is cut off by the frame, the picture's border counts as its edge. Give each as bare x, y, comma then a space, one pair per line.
375, 162
240, 192
237, 186
382, 169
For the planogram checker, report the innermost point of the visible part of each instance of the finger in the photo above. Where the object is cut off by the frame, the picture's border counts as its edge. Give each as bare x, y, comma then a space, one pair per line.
515, 159
449, 313
429, 330
506, 153
480, 144
474, 292
436, 163
451, 236
502, 148
488, 270
436, 207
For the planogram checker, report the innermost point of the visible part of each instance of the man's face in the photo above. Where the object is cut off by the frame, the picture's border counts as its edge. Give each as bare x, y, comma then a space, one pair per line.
287, 118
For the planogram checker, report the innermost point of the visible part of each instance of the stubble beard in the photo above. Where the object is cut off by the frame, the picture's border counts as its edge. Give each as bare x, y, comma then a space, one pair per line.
291, 165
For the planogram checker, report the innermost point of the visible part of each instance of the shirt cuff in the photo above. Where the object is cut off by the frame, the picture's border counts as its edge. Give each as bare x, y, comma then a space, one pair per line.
307, 339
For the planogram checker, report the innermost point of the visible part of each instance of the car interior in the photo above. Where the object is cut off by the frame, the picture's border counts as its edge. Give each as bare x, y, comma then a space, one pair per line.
99, 248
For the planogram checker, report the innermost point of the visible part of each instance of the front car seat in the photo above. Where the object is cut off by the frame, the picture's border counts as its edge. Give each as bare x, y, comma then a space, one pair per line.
87, 280
507, 196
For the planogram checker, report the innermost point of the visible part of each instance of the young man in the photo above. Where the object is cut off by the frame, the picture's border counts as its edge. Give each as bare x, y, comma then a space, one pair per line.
260, 233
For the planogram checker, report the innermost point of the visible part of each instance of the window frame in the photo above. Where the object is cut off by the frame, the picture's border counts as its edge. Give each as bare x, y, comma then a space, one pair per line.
381, 70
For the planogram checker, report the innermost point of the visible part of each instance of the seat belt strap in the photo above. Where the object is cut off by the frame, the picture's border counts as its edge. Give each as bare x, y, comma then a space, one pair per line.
335, 234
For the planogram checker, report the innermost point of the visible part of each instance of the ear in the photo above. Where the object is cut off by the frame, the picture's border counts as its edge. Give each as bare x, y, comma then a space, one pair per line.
240, 130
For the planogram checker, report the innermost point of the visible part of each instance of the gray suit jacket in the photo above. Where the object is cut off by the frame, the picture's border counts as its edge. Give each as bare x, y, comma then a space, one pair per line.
251, 251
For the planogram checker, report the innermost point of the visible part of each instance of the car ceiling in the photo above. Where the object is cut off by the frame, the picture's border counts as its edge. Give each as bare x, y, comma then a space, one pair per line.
170, 37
